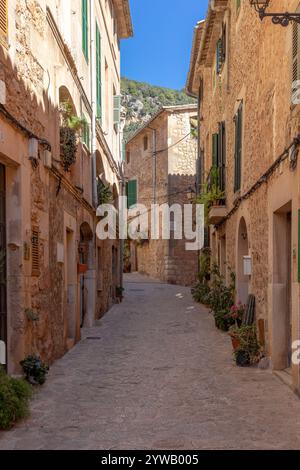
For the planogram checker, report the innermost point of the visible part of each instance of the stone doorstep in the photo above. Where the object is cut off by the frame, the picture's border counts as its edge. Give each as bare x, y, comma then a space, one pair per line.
285, 378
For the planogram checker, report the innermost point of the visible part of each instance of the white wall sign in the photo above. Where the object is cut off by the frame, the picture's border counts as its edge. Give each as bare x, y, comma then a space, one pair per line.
247, 265
2, 353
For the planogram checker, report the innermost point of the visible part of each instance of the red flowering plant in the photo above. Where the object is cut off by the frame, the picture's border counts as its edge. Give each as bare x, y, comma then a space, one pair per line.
236, 313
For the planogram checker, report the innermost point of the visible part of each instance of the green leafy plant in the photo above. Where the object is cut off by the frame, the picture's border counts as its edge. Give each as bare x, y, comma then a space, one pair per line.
201, 290
32, 315
237, 313
14, 400
221, 297
71, 126
119, 291
104, 193
35, 370
211, 193
249, 350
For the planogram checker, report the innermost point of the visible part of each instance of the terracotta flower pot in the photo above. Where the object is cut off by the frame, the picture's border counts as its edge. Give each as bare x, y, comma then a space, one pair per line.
235, 342
82, 268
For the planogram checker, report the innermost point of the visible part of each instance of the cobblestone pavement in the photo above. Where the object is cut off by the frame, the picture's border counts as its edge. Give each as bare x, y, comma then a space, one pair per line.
156, 374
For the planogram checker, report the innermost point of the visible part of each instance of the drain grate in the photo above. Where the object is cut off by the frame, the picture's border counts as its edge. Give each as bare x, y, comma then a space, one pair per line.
137, 290
93, 338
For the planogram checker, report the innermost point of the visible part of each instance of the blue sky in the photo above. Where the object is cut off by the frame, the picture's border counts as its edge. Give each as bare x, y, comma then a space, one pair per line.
159, 52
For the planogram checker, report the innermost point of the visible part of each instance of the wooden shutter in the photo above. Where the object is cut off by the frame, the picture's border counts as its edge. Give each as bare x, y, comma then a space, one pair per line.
222, 155
219, 56
238, 148
131, 193
3, 19
295, 59
35, 251
98, 73
86, 133
224, 42
215, 144
85, 33
117, 109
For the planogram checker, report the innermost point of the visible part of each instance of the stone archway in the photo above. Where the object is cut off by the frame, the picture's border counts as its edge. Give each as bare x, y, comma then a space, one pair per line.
242, 251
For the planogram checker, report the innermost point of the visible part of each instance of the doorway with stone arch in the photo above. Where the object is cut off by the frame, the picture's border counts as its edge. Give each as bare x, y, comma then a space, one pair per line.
243, 247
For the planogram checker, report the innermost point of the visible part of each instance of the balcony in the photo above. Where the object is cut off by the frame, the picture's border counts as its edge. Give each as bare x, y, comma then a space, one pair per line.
216, 184
216, 214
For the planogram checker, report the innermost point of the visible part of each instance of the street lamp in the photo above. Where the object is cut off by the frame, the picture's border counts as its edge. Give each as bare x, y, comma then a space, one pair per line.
284, 19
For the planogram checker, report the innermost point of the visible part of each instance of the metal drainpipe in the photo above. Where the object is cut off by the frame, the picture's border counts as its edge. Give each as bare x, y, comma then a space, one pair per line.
93, 99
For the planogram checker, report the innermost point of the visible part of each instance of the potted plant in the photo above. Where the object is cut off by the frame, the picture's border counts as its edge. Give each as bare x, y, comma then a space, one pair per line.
236, 314
119, 292
35, 370
82, 268
247, 351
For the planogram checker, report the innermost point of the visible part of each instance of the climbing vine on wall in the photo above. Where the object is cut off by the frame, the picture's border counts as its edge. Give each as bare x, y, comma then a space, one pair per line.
104, 192
70, 129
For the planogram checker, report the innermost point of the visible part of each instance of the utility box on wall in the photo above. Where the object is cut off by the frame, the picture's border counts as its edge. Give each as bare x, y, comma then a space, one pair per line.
247, 265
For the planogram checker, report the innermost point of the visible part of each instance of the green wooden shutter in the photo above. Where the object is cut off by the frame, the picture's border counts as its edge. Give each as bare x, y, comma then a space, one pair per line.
86, 133
224, 42
131, 189
295, 61
222, 156
219, 54
85, 29
215, 144
238, 148
98, 73
117, 109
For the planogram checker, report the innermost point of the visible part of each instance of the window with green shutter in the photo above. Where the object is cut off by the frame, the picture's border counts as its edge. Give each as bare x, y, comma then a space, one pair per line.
131, 191
117, 109
98, 73
295, 61
86, 133
215, 144
219, 56
85, 28
222, 156
238, 148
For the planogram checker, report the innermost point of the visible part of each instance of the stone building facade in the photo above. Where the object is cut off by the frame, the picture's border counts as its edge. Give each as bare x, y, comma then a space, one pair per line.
161, 164
242, 70
57, 58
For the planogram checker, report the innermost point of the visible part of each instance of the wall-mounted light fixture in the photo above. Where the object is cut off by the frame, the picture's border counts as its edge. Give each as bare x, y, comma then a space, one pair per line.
283, 19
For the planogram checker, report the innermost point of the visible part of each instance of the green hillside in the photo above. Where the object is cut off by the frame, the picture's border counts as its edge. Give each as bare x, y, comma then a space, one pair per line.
141, 101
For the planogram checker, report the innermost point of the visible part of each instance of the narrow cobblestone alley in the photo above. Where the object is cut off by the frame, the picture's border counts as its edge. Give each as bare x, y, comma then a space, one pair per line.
156, 374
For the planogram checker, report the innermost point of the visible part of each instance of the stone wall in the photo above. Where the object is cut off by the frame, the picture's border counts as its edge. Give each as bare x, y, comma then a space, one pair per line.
167, 260
257, 71
34, 68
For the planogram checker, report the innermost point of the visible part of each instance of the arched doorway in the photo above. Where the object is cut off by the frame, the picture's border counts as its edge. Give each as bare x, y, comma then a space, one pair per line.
242, 251
85, 256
